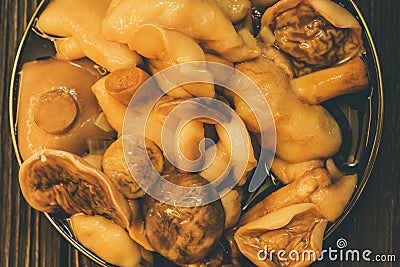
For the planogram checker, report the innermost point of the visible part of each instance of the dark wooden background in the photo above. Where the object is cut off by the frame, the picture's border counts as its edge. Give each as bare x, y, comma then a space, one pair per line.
28, 239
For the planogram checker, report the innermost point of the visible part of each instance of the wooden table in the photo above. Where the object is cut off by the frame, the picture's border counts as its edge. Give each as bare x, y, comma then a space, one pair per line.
27, 238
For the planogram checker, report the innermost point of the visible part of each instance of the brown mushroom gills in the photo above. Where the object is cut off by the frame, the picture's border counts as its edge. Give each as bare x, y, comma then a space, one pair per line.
312, 41
63, 108
55, 180
297, 228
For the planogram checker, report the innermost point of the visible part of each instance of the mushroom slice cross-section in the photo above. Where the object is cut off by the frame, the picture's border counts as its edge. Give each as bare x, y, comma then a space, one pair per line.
55, 180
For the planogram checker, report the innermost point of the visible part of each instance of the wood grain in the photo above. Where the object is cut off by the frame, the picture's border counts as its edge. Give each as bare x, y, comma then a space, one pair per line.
27, 238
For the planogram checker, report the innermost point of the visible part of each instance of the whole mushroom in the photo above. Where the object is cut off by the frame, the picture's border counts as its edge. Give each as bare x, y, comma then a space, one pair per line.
184, 235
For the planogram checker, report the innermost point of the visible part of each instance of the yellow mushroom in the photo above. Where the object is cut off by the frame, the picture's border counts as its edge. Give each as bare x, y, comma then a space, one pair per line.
122, 84
115, 167
235, 10
112, 108
289, 172
80, 21
165, 48
298, 228
319, 86
225, 161
232, 207
68, 48
335, 36
209, 25
56, 108
303, 132
315, 186
107, 240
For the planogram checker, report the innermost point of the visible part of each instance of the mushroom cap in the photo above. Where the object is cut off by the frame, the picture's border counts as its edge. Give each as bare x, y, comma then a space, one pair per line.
297, 228
183, 234
55, 180
106, 239
332, 12
315, 34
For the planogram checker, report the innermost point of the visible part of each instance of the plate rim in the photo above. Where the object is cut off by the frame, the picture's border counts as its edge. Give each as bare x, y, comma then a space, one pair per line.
366, 175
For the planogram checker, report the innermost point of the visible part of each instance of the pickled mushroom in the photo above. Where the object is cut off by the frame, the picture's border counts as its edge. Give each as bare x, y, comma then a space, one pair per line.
235, 10
80, 22
113, 109
322, 85
315, 186
61, 105
232, 208
297, 228
202, 21
304, 132
314, 33
107, 240
225, 162
214, 259
116, 169
183, 234
56, 108
289, 172
122, 84
54, 180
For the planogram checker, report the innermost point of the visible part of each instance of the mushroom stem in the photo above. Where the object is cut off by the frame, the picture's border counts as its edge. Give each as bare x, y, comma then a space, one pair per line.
63, 108
323, 85
112, 108
122, 84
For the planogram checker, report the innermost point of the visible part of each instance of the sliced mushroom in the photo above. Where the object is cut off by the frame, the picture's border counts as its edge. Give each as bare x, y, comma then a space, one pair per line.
116, 169
184, 235
54, 180
298, 230
315, 33
80, 21
107, 240
56, 108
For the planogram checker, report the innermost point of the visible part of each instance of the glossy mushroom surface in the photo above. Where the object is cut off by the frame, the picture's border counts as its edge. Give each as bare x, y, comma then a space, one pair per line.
57, 108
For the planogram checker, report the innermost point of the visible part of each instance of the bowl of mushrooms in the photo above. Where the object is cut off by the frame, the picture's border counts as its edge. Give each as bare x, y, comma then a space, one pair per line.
192, 185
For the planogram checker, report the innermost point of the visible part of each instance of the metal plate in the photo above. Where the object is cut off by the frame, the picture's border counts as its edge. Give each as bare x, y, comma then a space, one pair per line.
359, 115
